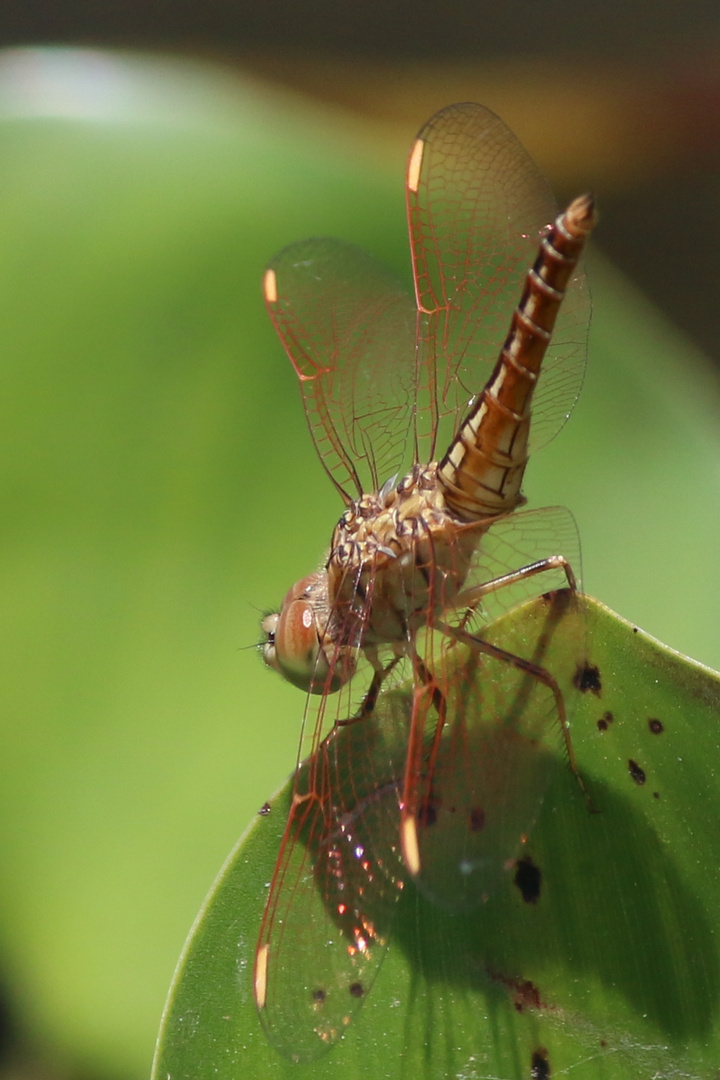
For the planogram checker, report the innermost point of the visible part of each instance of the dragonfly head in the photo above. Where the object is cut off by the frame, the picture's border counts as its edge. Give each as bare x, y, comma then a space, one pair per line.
296, 643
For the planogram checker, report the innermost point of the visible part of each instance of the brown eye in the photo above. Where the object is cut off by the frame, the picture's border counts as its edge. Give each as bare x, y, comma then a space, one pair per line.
295, 640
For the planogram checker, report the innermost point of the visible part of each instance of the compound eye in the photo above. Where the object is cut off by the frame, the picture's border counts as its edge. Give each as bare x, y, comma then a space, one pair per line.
295, 644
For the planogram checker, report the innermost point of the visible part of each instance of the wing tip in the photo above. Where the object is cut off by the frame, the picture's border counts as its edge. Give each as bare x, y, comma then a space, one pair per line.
415, 165
269, 286
410, 845
260, 976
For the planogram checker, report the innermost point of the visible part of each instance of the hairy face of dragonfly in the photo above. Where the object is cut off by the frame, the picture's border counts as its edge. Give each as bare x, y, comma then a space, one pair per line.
426, 757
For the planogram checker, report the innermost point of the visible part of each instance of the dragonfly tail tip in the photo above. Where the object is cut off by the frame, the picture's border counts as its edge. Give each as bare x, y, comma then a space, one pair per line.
581, 214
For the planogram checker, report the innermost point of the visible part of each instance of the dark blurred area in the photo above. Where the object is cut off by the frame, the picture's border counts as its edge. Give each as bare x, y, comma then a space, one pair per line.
640, 82
373, 28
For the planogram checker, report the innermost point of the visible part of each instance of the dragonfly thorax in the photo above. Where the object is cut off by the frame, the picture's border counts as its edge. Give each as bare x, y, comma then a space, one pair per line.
396, 556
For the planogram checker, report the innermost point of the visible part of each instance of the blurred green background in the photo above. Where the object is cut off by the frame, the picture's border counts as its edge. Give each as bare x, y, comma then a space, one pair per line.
159, 489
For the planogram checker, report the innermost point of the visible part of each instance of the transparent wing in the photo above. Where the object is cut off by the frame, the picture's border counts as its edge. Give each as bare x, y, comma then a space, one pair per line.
524, 538
491, 706
493, 739
348, 327
477, 210
369, 364
528, 538
333, 893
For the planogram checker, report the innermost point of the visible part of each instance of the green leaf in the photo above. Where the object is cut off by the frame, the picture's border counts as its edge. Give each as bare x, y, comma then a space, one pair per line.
596, 957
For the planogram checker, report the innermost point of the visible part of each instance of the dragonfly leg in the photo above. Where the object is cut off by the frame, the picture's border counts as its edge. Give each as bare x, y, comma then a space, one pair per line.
472, 597
380, 674
417, 801
436, 697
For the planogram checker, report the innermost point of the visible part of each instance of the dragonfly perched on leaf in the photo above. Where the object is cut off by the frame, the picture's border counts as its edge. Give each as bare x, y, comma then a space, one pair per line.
423, 733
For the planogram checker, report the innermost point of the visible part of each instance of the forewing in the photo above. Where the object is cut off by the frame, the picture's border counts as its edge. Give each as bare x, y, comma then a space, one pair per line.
333, 893
477, 210
348, 327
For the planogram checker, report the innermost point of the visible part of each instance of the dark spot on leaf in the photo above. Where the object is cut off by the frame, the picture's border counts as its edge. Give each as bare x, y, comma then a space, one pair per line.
477, 819
356, 990
527, 996
587, 678
319, 996
539, 1065
636, 772
605, 721
427, 814
635, 629
527, 879
265, 809
656, 726
603, 1042
656, 794
525, 993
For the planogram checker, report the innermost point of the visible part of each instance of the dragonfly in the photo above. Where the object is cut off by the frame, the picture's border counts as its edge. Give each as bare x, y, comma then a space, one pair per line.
424, 411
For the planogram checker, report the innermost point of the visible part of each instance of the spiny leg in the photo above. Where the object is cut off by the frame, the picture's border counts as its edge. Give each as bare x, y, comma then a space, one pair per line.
369, 701
472, 597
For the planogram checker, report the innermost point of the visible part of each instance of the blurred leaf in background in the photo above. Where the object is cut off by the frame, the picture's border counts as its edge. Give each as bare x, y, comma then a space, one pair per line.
159, 489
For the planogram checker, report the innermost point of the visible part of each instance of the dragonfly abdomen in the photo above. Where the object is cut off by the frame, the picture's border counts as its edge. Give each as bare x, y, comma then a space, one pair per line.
482, 471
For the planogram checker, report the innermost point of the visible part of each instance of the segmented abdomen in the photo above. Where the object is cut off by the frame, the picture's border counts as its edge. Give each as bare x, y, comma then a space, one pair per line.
482, 471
